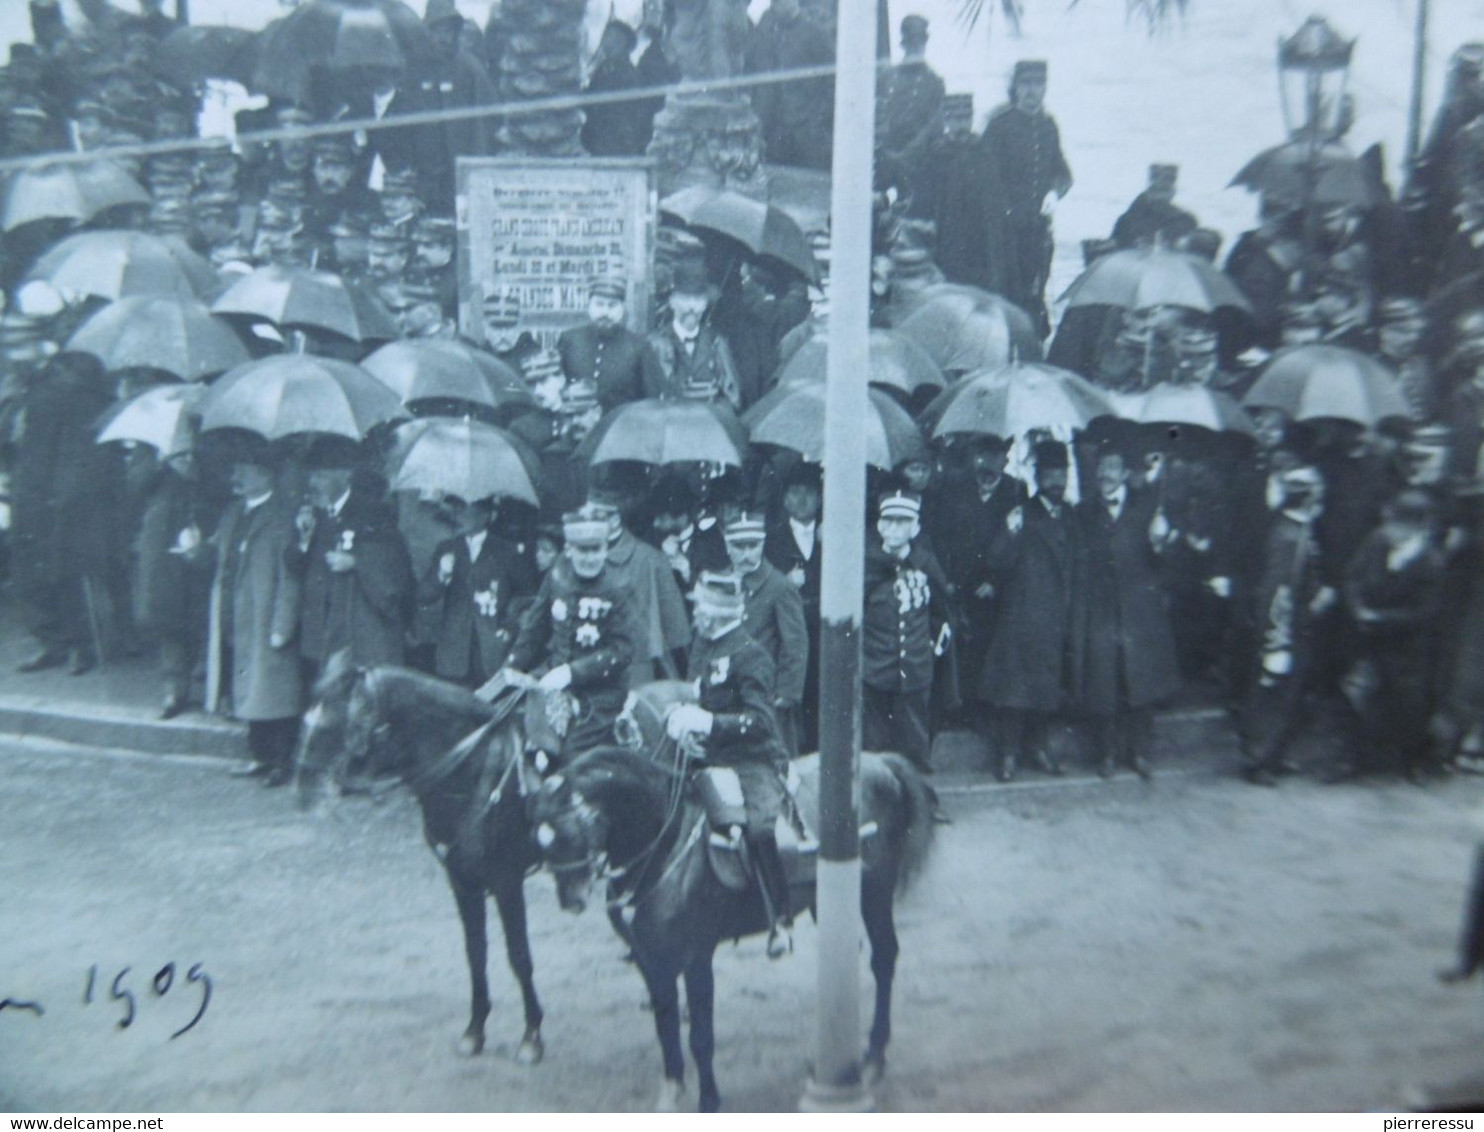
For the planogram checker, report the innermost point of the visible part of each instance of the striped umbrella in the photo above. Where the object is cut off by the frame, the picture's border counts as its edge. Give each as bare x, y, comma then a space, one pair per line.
1154, 277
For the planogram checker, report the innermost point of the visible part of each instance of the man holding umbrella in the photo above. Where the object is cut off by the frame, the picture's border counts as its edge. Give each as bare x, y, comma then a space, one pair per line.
695, 359
255, 615
354, 566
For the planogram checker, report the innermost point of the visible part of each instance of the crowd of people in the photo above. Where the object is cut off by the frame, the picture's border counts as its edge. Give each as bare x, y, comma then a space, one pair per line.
1016, 585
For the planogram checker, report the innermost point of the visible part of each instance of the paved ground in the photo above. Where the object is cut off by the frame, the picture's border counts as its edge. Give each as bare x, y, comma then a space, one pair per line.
1198, 944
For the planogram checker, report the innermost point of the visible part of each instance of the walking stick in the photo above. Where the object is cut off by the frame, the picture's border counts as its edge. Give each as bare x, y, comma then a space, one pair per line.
95, 626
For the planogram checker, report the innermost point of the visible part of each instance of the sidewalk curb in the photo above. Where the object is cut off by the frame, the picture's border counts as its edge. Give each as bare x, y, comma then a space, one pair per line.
23, 717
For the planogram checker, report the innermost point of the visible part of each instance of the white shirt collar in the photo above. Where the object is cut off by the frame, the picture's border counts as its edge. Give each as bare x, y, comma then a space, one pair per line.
339, 504
804, 535
475, 543
251, 505
1118, 499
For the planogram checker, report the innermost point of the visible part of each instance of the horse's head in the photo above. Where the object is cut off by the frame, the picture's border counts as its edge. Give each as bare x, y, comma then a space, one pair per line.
339, 738
572, 837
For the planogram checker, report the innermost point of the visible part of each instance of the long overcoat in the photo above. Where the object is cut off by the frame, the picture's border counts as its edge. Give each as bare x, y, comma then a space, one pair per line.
264, 682
1123, 650
1027, 663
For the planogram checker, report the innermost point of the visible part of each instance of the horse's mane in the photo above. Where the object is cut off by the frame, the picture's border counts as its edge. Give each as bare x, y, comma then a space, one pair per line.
621, 767
404, 686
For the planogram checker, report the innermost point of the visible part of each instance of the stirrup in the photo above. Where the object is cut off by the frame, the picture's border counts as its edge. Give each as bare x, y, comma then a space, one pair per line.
780, 941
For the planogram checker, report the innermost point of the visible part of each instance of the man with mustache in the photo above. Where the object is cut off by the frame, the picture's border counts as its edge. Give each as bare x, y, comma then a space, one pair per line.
605, 353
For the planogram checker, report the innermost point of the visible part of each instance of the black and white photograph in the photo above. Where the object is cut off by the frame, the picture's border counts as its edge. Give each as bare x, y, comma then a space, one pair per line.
816, 556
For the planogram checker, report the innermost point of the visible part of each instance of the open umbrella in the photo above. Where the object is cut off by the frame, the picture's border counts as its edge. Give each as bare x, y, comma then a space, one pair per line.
165, 332
1015, 399
470, 459
763, 229
1328, 381
117, 263
67, 192
1297, 171
161, 417
289, 394
1199, 405
336, 35
965, 329
297, 296
662, 431
1154, 277
445, 370
793, 417
896, 362
193, 53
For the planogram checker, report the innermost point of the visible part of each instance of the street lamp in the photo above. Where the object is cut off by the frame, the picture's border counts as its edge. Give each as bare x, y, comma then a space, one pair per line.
1313, 71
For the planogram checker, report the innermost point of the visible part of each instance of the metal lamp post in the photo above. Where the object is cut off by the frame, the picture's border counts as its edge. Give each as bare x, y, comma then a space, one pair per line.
1313, 72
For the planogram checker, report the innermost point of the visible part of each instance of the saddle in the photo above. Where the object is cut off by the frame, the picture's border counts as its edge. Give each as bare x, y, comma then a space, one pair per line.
719, 792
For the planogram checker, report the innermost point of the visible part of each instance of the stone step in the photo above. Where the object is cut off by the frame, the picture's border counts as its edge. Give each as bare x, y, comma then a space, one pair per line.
116, 727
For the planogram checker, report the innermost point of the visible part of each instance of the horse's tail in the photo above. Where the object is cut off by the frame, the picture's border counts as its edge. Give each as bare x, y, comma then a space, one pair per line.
917, 831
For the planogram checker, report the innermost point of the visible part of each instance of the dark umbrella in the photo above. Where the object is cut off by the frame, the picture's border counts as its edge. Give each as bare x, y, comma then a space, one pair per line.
792, 417
764, 229
336, 35
115, 264
1309, 382
1297, 171
965, 329
1154, 277
292, 394
164, 332
297, 296
67, 192
190, 55
470, 459
661, 431
445, 370
896, 362
1014, 400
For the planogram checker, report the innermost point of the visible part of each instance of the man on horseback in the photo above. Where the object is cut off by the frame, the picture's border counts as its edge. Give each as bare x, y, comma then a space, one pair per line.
733, 726
577, 640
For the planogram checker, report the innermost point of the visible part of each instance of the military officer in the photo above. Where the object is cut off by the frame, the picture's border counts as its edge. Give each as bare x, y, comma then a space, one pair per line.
578, 636
775, 619
1027, 175
904, 629
909, 112
606, 353
733, 726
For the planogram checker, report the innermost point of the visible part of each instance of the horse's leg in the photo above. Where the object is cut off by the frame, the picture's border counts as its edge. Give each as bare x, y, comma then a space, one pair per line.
877, 893
470, 899
664, 998
510, 899
700, 996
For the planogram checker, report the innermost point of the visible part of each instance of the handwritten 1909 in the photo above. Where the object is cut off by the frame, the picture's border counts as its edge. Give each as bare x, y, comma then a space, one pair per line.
119, 990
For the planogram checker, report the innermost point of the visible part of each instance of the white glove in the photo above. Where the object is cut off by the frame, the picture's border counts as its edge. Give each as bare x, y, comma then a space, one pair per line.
445, 569
686, 719
1159, 527
1220, 586
559, 679
1015, 520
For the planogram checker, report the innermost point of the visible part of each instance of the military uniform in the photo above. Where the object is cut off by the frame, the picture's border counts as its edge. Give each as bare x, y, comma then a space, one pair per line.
1024, 162
619, 363
586, 624
905, 614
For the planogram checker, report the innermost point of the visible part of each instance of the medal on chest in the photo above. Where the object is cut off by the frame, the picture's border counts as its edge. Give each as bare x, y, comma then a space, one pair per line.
487, 601
721, 668
911, 590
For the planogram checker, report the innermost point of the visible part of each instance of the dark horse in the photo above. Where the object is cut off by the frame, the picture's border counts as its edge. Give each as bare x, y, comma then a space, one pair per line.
617, 812
463, 766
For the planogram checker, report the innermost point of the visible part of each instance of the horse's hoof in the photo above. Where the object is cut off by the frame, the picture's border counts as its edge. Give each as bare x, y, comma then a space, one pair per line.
530, 1051
873, 1066
671, 1094
471, 1045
